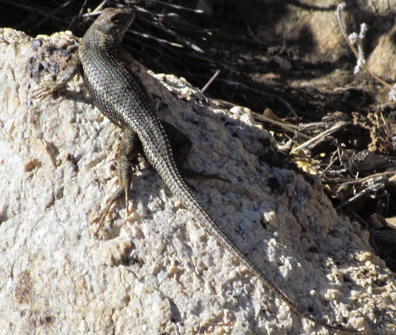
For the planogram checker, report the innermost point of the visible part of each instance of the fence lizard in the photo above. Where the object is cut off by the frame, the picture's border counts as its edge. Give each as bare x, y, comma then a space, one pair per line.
121, 97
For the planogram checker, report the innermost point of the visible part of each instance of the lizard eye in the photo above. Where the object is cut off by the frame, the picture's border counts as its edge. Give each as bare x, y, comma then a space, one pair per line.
117, 18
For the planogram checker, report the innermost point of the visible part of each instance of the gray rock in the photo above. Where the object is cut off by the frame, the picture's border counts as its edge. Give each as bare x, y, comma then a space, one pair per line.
157, 271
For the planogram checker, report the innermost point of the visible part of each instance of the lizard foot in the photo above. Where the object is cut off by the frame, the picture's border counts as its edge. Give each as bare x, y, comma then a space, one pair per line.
99, 221
45, 90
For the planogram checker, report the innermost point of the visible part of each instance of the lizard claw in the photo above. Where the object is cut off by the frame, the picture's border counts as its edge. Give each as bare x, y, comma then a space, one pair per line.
44, 90
102, 216
64, 77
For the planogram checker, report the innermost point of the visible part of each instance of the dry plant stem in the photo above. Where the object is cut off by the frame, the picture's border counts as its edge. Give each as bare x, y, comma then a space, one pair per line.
197, 11
210, 81
379, 181
99, 8
387, 128
78, 16
355, 52
315, 125
51, 14
183, 42
255, 91
288, 128
159, 40
333, 159
376, 175
320, 136
372, 187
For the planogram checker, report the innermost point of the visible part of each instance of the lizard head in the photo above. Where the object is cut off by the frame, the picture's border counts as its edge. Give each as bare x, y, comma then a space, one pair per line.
114, 22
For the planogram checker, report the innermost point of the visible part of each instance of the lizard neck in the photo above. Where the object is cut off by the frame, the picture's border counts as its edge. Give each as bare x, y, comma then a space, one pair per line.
97, 40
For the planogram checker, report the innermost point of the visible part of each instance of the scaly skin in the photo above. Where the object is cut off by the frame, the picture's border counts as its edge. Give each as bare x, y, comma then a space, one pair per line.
121, 97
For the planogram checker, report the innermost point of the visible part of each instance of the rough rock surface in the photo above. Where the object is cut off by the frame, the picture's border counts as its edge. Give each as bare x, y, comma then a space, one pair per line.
158, 272
382, 60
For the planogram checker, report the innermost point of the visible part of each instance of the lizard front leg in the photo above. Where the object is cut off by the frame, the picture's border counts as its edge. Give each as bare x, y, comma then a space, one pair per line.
64, 77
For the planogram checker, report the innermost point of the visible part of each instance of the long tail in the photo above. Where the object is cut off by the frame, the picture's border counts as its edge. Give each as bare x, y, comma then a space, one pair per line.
179, 188
160, 156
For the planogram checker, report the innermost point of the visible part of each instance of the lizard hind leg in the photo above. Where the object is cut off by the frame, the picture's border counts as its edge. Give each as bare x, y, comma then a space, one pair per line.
128, 150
